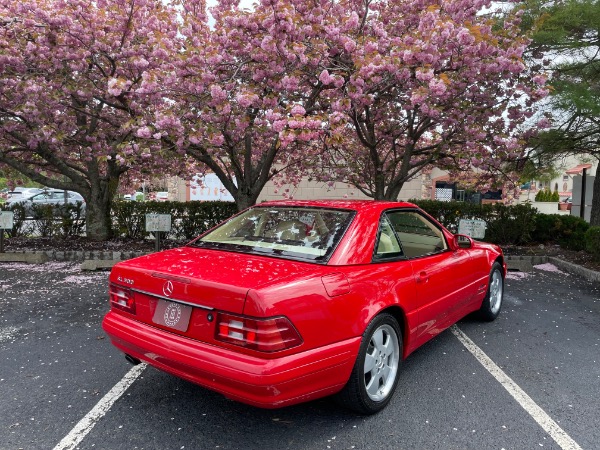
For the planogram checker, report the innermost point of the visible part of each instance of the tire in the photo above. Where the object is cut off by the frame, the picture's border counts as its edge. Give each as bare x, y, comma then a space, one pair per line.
376, 371
492, 303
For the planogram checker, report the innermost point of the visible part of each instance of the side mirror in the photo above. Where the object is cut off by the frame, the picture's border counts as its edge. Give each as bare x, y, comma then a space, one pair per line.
462, 241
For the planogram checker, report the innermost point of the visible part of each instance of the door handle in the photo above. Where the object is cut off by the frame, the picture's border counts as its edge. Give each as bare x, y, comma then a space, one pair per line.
422, 277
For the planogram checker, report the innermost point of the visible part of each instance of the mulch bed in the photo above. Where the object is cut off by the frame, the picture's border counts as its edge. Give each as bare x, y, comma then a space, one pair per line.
581, 258
84, 244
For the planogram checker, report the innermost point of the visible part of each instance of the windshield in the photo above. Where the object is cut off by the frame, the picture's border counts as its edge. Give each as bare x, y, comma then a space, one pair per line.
292, 232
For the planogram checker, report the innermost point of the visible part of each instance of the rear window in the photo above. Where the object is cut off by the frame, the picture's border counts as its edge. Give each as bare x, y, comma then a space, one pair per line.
289, 232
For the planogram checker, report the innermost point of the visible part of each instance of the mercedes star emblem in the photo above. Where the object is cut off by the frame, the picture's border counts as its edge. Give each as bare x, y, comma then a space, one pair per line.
168, 288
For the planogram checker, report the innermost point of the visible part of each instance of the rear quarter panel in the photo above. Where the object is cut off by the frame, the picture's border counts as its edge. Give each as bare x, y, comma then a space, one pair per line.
322, 319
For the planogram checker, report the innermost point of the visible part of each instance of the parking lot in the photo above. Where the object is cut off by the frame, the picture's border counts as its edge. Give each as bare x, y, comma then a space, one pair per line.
531, 379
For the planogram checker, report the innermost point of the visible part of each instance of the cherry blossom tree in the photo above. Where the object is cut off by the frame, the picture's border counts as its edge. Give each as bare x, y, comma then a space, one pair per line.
245, 98
388, 87
391, 87
425, 82
73, 83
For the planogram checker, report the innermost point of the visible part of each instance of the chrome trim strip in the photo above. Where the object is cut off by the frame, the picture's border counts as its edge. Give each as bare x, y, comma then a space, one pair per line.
166, 276
208, 308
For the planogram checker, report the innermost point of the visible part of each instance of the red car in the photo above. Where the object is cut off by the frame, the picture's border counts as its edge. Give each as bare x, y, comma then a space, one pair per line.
292, 301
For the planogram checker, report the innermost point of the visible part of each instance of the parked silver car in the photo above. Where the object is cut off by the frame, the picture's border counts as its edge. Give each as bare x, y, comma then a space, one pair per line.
48, 197
19, 193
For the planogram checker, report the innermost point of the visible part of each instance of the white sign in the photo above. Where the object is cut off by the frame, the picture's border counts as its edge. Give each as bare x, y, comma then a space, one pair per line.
6, 220
208, 187
473, 228
158, 222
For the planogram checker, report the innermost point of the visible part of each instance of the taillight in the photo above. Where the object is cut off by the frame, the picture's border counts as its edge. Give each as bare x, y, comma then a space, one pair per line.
265, 335
121, 298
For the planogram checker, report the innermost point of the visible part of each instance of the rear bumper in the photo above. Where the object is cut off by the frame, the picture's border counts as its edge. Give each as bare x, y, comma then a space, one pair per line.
266, 383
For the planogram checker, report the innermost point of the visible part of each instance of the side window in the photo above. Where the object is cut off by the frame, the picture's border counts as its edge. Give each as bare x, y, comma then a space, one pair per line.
387, 243
418, 235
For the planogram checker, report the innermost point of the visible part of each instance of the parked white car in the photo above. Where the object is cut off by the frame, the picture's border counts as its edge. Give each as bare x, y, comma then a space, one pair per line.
162, 196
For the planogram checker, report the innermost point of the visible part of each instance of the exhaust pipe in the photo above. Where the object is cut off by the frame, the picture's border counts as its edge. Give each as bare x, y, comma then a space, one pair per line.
132, 360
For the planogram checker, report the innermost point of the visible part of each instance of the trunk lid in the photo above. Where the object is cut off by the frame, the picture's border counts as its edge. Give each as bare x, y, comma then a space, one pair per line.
205, 278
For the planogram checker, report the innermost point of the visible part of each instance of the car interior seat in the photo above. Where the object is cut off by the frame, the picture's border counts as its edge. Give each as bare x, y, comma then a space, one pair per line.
387, 244
291, 230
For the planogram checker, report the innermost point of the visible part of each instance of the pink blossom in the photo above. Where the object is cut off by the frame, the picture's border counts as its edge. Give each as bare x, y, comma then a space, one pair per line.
325, 78
349, 46
217, 93
290, 82
543, 123
114, 87
437, 87
144, 132
279, 125
297, 110
217, 140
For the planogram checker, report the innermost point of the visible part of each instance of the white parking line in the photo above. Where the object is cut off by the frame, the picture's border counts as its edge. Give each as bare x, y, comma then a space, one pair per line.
85, 425
538, 414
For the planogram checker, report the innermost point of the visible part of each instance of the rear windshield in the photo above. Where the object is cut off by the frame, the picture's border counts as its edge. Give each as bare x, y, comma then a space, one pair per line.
296, 233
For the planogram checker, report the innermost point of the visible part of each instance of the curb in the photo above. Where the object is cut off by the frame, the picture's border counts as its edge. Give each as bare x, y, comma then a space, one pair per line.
78, 255
588, 274
99, 264
526, 263
91, 260
28, 258
98, 260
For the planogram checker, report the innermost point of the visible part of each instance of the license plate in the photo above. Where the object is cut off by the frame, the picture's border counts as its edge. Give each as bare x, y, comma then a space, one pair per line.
172, 315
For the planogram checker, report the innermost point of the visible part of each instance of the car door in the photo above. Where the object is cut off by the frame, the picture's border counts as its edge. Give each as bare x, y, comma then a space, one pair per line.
34, 202
443, 278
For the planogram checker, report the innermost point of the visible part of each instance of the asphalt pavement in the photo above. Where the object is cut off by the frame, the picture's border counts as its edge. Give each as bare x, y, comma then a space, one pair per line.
62, 383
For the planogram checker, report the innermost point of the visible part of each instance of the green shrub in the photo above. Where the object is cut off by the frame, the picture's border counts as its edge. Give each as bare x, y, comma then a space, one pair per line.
544, 227
505, 224
511, 224
69, 220
188, 219
541, 195
127, 220
568, 231
43, 218
546, 195
592, 241
47, 220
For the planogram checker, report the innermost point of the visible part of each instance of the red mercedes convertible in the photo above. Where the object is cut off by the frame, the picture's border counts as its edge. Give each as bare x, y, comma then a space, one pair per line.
291, 301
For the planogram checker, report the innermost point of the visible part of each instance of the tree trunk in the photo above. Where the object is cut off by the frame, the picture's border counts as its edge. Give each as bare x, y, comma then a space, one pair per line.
246, 196
98, 221
393, 191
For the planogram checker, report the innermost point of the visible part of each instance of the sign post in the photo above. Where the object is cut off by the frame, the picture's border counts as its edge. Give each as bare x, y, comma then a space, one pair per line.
6, 223
156, 223
472, 228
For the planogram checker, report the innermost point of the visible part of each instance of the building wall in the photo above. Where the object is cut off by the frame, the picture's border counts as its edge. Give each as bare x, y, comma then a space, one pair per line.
417, 188
421, 187
564, 181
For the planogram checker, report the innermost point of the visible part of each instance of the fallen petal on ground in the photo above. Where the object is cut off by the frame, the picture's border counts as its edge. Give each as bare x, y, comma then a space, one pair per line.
549, 268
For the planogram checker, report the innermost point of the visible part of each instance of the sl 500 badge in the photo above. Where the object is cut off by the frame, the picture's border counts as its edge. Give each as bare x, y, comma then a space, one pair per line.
125, 280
